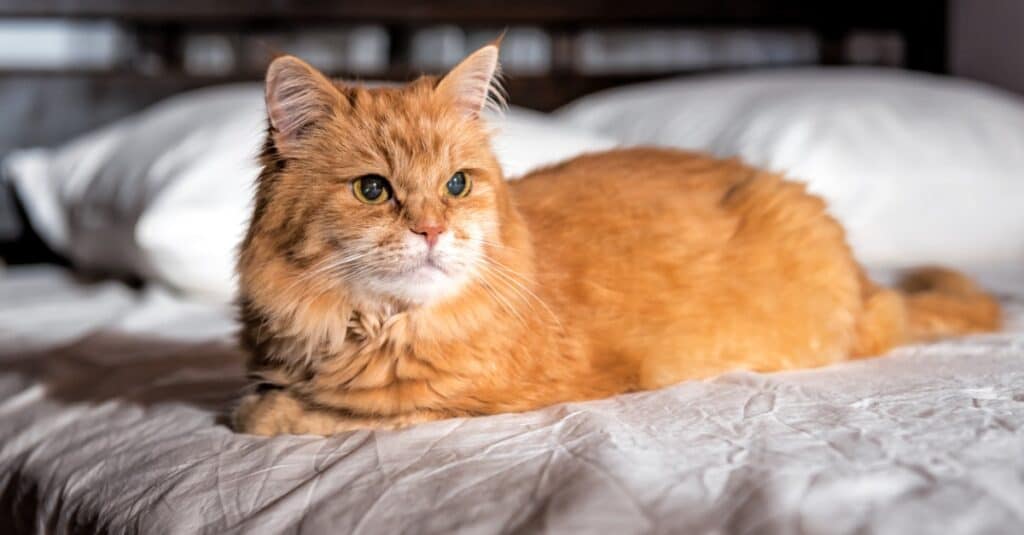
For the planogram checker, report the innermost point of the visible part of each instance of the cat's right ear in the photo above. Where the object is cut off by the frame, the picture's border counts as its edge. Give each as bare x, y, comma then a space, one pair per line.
298, 96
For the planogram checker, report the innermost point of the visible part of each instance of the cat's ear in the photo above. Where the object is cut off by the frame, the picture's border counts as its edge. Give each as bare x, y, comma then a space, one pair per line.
298, 96
474, 84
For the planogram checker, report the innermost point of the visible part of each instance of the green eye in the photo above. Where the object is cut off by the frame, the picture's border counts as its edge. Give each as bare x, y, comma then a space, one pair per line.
458, 185
371, 189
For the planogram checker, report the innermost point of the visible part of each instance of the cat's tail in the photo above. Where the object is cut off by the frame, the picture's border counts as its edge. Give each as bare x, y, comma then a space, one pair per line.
942, 302
927, 304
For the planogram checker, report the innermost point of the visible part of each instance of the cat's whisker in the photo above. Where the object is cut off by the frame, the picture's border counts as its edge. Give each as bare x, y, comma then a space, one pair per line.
323, 276
493, 292
327, 266
513, 285
494, 244
306, 276
514, 288
486, 270
518, 279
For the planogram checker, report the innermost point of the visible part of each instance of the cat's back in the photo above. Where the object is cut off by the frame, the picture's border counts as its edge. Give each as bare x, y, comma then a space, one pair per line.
627, 200
629, 175
623, 199
652, 250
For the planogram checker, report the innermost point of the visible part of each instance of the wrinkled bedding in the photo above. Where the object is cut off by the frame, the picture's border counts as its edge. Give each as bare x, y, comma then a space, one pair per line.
111, 420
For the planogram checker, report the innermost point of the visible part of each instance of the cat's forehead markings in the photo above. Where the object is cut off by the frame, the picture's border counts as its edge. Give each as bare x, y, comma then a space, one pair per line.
415, 139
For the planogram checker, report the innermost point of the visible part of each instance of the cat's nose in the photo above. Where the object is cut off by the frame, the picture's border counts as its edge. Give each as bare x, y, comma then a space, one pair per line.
429, 230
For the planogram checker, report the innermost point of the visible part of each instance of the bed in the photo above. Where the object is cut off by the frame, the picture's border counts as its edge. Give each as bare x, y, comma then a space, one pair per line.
114, 390
112, 400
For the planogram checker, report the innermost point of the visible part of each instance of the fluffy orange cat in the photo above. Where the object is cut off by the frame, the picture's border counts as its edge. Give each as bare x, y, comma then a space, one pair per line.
392, 276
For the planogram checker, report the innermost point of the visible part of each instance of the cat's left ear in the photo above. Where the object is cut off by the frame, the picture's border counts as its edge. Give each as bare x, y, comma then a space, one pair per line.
473, 84
298, 97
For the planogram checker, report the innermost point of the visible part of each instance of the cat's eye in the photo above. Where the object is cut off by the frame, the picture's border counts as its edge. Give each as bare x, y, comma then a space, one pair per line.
458, 185
371, 189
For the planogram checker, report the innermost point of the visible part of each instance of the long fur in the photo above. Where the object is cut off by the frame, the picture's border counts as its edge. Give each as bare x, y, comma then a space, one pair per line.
613, 272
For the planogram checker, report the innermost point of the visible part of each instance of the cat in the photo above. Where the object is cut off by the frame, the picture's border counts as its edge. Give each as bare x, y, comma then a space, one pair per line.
391, 276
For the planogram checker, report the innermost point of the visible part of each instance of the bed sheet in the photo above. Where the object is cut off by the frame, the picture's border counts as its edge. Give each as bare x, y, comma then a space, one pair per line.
111, 420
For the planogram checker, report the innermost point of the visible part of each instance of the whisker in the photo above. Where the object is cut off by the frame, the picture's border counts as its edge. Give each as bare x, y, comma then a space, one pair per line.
493, 292
326, 267
517, 289
511, 275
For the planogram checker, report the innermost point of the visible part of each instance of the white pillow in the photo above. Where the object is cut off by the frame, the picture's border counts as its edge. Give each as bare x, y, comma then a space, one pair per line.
165, 194
919, 168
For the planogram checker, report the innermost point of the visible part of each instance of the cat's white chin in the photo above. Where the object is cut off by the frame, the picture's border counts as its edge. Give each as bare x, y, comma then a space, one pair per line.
425, 284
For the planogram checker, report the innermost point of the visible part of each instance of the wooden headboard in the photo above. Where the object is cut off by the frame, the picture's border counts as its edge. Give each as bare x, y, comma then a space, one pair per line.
47, 106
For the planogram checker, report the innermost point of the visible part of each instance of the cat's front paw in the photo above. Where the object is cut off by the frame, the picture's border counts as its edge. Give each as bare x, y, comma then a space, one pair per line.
266, 414
279, 413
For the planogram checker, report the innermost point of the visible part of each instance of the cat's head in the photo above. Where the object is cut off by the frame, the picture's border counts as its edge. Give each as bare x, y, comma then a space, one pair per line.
388, 191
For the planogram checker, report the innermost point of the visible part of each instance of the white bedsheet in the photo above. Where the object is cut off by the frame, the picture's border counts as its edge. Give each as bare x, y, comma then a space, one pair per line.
110, 404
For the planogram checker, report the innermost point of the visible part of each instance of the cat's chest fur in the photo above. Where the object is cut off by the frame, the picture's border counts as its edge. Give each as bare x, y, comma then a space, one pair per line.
382, 366
389, 361
379, 351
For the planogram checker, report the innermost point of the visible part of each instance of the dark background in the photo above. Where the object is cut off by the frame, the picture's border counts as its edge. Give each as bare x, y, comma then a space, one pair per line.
69, 66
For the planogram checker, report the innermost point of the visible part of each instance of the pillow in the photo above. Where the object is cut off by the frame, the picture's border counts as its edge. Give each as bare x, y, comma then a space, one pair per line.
165, 194
919, 168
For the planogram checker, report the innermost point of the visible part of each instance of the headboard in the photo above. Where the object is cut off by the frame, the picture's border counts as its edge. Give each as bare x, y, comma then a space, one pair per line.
45, 106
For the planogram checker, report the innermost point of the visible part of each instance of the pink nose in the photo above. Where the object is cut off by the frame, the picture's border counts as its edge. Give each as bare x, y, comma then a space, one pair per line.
429, 230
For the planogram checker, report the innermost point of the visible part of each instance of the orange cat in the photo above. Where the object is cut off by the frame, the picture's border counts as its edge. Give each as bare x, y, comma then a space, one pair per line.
391, 276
